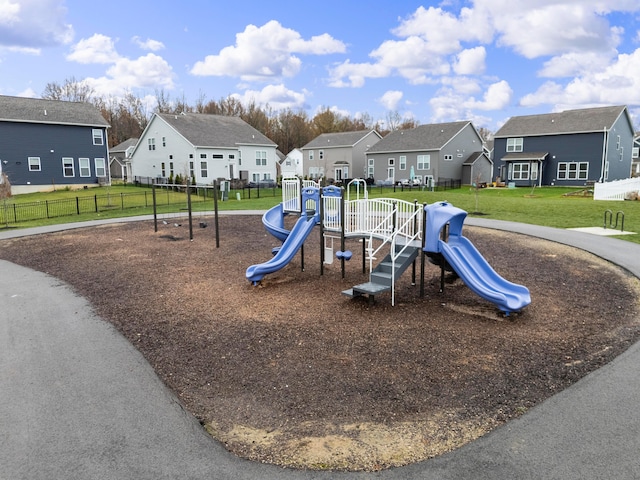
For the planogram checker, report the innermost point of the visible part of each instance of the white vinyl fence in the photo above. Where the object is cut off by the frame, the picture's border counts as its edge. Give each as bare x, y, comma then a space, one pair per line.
616, 190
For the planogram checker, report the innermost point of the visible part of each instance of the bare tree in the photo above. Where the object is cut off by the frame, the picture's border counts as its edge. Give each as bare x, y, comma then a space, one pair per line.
71, 90
5, 193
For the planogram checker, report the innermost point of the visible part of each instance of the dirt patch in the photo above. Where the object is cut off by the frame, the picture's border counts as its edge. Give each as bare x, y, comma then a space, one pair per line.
293, 373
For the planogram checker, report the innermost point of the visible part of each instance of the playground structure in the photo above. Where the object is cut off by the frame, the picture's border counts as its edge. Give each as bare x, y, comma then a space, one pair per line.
397, 229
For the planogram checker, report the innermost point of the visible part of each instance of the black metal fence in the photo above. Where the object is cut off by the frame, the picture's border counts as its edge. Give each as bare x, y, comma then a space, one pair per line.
17, 212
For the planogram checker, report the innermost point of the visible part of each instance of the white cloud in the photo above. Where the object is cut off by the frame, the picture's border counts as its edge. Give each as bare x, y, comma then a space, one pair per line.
356, 73
390, 99
496, 97
470, 61
265, 52
96, 49
34, 23
611, 85
277, 97
148, 44
576, 63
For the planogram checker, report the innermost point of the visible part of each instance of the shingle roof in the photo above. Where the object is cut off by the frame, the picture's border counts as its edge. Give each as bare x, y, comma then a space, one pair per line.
204, 130
421, 138
37, 110
340, 139
570, 121
122, 147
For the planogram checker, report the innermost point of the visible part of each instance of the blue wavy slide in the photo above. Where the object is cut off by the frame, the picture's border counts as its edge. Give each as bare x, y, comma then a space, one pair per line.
478, 275
289, 248
273, 221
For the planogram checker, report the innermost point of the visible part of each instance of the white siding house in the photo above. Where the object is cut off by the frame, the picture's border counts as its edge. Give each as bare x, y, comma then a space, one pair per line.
203, 147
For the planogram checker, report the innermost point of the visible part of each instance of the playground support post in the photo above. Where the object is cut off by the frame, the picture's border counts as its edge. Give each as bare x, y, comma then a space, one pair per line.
155, 211
215, 212
423, 256
343, 221
322, 239
189, 210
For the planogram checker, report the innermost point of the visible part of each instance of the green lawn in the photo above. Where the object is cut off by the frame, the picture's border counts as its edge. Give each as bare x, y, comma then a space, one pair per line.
547, 206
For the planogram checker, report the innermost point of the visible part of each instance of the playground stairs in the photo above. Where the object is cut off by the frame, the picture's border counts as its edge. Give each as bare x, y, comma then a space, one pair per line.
381, 277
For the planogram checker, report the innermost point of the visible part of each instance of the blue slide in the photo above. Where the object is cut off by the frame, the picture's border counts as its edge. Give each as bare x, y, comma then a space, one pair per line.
477, 274
289, 248
467, 261
273, 221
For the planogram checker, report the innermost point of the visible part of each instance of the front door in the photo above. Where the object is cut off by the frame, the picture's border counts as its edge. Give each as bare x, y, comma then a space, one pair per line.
391, 174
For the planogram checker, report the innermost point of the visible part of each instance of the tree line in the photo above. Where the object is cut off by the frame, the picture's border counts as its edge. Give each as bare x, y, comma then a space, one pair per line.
128, 115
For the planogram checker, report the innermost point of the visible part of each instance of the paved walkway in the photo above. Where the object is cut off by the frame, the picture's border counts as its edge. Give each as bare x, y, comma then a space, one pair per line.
77, 401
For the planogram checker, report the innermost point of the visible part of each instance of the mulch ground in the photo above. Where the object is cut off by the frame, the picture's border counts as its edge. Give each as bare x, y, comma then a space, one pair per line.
292, 372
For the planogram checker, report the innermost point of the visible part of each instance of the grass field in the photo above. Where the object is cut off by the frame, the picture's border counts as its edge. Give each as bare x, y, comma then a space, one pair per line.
549, 206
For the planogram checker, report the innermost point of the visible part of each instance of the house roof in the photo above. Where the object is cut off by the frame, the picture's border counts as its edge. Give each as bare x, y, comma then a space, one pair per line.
37, 110
585, 120
421, 138
205, 130
122, 147
474, 157
519, 156
340, 139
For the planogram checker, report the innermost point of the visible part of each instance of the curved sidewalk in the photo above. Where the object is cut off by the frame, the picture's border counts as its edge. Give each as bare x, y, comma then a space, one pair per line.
77, 401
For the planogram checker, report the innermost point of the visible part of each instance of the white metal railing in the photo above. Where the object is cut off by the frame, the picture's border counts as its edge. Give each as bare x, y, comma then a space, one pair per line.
616, 190
291, 190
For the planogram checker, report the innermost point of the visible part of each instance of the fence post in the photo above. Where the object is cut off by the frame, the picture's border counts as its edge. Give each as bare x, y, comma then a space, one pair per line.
46, 206
95, 200
122, 201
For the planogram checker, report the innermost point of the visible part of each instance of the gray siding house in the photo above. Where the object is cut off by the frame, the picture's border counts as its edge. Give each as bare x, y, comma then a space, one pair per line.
338, 156
49, 144
429, 153
204, 147
120, 159
570, 148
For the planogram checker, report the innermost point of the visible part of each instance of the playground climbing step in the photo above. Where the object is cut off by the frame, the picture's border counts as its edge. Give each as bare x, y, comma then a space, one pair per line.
381, 278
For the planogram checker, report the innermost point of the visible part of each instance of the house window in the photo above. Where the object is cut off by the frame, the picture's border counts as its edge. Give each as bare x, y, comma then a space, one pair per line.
231, 156
391, 162
311, 155
618, 142
573, 170
448, 158
34, 164
164, 141
403, 162
203, 155
152, 143
255, 177
370, 171
261, 158
164, 170
520, 171
98, 139
192, 172
316, 172
101, 171
514, 144
217, 155
67, 167
191, 155
321, 154
621, 153
171, 169
635, 152
203, 169
85, 169
424, 162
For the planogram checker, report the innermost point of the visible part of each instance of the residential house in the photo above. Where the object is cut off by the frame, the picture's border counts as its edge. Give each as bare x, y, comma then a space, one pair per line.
203, 147
338, 156
292, 165
49, 144
570, 148
120, 159
430, 153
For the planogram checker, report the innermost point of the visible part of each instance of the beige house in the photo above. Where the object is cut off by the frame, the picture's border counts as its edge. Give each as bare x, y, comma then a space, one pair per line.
338, 156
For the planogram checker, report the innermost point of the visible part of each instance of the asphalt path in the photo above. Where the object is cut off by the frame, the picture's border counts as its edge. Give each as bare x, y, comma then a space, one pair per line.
78, 401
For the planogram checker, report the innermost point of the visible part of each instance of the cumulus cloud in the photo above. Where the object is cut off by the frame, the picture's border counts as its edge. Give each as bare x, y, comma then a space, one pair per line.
148, 44
95, 49
34, 23
611, 85
277, 97
390, 99
470, 61
123, 74
266, 52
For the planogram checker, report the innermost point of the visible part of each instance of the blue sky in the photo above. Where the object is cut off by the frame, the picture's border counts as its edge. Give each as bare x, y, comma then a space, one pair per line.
479, 60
